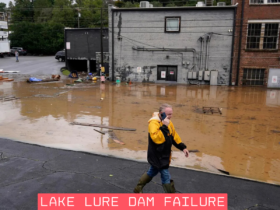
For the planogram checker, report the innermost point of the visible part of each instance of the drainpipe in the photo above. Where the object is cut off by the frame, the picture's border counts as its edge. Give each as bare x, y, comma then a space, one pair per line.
201, 51
206, 51
113, 50
232, 48
208, 39
240, 40
65, 38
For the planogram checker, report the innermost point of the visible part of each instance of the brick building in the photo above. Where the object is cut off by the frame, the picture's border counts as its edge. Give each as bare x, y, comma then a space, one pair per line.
257, 55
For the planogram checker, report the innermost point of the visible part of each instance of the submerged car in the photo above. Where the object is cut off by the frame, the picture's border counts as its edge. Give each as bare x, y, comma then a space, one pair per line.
60, 55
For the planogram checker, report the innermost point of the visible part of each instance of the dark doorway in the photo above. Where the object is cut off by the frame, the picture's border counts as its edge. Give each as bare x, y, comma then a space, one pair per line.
77, 65
92, 64
167, 73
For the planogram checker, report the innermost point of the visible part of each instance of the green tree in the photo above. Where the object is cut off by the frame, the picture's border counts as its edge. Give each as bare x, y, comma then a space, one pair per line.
129, 4
22, 11
38, 38
63, 12
43, 10
156, 4
171, 5
2, 7
11, 5
119, 3
91, 14
191, 3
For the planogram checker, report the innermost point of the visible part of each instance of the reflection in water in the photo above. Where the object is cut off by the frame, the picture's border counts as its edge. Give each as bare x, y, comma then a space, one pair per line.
240, 141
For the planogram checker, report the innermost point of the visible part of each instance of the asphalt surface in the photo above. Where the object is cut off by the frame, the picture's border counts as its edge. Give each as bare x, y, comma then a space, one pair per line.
32, 64
26, 170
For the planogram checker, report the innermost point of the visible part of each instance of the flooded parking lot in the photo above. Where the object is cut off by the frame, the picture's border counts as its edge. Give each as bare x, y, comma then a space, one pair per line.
244, 140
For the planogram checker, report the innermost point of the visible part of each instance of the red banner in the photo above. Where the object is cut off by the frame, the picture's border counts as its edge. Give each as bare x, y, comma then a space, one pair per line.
132, 201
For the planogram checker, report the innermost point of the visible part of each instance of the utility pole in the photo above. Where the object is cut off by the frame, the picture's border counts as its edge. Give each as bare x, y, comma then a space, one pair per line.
79, 15
101, 32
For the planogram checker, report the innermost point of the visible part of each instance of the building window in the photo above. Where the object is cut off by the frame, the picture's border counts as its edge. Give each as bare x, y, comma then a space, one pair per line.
264, 1
172, 24
254, 35
256, 2
253, 77
262, 36
270, 36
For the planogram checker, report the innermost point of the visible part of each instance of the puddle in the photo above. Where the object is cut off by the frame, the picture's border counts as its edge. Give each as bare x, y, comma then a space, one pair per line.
243, 141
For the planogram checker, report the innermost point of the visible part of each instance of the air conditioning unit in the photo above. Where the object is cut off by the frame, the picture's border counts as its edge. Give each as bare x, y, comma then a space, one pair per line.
200, 4
144, 4
221, 4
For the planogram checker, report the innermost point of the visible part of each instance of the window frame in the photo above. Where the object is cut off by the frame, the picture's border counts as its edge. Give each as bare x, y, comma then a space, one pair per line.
262, 36
166, 17
265, 2
245, 80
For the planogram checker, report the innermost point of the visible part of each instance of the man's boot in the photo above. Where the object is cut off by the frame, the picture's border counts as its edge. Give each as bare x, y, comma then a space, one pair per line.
169, 188
145, 179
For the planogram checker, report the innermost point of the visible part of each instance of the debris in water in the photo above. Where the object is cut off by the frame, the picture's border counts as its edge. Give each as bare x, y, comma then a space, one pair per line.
103, 126
115, 138
193, 150
222, 171
275, 131
8, 98
212, 110
119, 142
99, 131
110, 175
235, 122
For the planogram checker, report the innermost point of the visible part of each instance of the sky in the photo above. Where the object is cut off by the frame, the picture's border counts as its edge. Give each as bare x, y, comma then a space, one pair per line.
6, 1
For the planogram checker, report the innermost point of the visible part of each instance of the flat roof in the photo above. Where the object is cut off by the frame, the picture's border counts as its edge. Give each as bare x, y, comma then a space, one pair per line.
176, 8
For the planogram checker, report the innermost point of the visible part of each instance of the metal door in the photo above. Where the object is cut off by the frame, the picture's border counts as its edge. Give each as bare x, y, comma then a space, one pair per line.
171, 73
167, 73
161, 73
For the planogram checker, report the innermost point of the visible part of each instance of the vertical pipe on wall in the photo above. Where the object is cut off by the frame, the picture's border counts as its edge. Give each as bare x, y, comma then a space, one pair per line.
200, 65
206, 50
232, 48
202, 43
240, 40
65, 50
113, 52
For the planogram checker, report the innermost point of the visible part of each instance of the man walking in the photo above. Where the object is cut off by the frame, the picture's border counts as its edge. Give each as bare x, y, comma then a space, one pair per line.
162, 136
16, 54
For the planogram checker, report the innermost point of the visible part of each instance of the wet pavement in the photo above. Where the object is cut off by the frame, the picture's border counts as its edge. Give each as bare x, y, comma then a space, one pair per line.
244, 140
26, 170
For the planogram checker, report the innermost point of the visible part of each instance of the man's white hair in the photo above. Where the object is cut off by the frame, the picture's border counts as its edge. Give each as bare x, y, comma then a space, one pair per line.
163, 107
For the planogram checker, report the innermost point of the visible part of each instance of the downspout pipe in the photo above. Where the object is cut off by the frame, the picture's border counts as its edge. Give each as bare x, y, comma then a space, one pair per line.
240, 40
206, 49
65, 38
200, 56
208, 39
232, 48
113, 50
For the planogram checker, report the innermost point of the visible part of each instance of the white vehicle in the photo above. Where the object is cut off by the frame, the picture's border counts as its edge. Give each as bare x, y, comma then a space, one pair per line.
4, 42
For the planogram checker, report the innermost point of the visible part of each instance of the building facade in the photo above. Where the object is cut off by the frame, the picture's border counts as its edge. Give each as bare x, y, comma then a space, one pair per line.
256, 51
83, 49
182, 45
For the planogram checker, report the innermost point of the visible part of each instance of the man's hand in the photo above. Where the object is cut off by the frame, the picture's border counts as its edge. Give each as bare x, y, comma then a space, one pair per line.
186, 152
166, 121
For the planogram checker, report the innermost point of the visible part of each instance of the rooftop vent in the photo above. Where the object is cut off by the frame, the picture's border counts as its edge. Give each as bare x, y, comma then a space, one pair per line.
221, 4
144, 4
200, 4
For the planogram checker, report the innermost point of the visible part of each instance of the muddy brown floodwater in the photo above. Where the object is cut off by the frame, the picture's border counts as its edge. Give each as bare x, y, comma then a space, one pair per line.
244, 140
